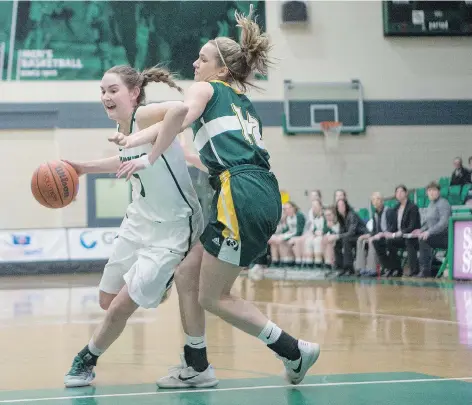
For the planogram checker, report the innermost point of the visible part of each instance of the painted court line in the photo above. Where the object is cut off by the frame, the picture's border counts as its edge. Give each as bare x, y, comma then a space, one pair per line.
216, 390
347, 312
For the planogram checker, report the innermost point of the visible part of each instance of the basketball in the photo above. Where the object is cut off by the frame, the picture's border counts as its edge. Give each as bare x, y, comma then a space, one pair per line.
55, 184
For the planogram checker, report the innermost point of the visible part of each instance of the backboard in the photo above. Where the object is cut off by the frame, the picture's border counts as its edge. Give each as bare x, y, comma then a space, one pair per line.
307, 104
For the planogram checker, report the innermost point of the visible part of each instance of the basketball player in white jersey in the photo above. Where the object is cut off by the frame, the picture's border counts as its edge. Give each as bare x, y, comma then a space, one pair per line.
162, 223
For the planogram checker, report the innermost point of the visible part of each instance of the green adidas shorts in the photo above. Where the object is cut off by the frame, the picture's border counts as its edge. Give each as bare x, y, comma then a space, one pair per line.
244, 214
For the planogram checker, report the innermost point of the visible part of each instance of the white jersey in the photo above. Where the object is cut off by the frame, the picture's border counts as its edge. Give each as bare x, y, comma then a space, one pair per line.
163, 191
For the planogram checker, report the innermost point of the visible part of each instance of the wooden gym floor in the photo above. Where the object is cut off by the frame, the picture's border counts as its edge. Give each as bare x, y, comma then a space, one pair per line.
383, 342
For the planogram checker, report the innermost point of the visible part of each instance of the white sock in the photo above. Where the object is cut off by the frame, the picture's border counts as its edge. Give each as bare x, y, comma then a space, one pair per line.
298, 261
195, 342
270, 334
94, 349
309, 261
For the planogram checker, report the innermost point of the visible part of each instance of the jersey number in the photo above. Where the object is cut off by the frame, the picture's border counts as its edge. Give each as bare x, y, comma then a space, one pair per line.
249, 127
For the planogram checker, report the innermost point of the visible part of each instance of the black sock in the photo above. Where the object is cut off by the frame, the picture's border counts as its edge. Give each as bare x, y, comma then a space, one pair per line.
88, 357
196, 358
286, 346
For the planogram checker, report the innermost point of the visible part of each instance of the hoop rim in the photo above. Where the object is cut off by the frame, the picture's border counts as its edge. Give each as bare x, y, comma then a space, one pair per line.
325, 125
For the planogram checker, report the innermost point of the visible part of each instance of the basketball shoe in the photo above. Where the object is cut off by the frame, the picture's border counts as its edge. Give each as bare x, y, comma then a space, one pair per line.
81, 373
295, 370
184, 376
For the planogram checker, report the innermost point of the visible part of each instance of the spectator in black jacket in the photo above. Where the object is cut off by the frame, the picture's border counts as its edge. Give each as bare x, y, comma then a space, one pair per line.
351, 227
460, 175
470, 169
366, 257
406, 220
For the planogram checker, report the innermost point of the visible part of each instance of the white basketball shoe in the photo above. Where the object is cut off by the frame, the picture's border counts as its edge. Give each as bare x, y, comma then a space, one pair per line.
295, 370
184, 376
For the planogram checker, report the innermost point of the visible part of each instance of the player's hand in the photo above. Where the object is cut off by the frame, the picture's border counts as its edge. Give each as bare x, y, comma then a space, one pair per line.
129, 168
78, 167
119, 139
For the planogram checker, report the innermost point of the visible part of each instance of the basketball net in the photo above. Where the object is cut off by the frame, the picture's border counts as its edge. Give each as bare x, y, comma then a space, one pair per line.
331, 131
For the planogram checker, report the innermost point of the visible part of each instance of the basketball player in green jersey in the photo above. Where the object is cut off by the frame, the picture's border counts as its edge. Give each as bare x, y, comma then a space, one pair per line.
245, 211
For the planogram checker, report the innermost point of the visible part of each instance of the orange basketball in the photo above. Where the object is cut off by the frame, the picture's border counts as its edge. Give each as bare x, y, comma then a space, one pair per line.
55, 184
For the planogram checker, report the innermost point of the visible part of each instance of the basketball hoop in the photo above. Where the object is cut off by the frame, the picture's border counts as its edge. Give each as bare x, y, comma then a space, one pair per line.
331, 131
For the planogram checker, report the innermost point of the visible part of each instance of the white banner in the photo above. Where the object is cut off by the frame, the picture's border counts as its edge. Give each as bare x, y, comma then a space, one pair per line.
33, 245
91, 243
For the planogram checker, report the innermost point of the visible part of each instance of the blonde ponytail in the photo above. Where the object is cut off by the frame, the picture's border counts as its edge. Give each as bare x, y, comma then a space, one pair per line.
250, 55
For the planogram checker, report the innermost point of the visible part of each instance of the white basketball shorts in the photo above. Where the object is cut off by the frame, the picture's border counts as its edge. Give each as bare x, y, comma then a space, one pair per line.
145, 255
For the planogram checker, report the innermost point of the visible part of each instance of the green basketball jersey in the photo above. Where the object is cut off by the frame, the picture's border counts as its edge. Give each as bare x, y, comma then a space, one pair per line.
229, 132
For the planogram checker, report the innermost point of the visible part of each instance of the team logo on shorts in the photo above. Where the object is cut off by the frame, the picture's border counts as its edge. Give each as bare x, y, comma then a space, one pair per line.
232, 243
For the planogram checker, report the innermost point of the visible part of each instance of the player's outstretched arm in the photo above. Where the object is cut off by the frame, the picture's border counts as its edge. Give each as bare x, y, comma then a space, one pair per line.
196, 99
107, 165
146, 116
170, 128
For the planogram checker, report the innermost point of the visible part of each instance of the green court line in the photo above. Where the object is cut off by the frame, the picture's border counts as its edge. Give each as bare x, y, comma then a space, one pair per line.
248, 385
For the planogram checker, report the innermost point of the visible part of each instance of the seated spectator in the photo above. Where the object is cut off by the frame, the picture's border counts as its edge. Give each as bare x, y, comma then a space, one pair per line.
407, 219
327, 244
468, 199
470, 169
434, 233
298, 242
339, 194
366, 257
312, 251
315, 195
293, 224
460, 175
351, 227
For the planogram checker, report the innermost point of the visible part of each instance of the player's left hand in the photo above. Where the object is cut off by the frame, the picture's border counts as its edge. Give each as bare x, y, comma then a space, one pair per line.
117, 138
129, 168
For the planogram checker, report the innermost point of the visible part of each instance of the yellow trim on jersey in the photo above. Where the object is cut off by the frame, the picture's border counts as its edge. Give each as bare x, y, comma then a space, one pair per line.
225, 208
227, 85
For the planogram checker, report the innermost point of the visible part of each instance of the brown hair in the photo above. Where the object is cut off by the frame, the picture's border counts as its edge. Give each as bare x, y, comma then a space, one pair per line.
318, 201
317, 191
331, 208
433, 184
249, 55
403, 187
132, 78
293, 205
